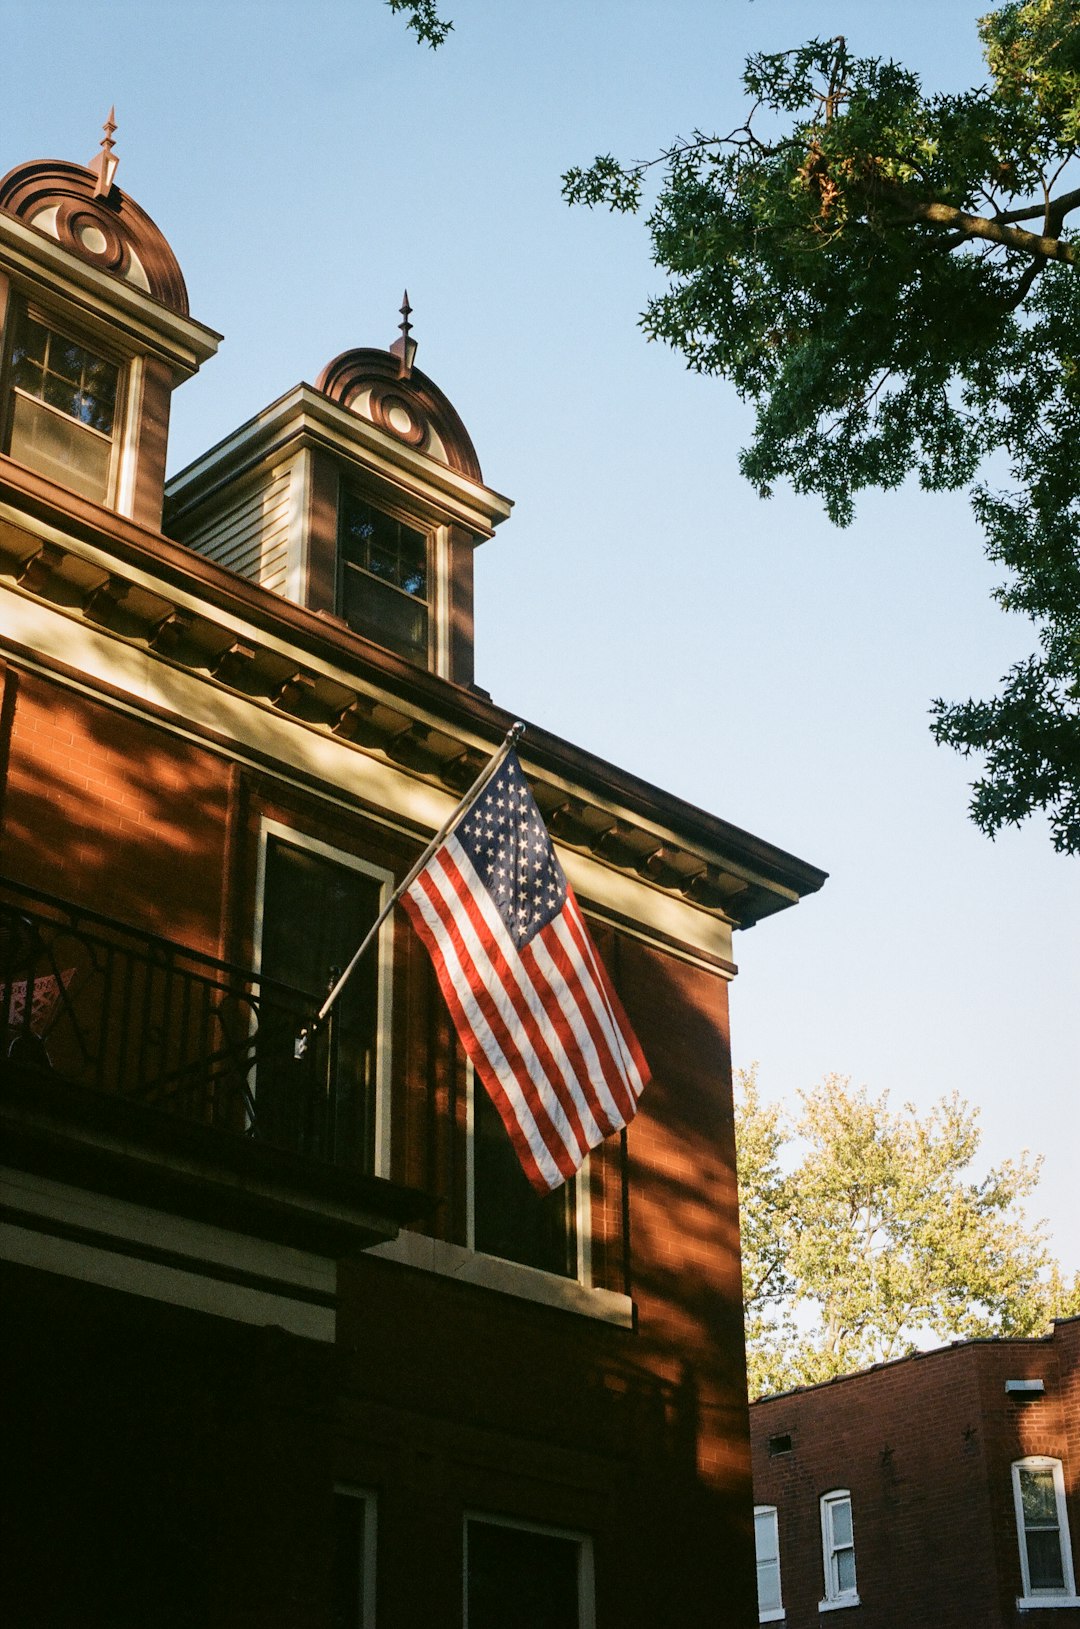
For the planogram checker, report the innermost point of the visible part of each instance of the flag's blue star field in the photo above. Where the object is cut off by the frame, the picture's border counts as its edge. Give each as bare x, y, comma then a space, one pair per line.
506, 840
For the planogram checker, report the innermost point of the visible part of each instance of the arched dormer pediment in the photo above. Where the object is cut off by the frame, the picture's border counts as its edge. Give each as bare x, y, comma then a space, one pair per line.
361, 498
110, 232
413, 408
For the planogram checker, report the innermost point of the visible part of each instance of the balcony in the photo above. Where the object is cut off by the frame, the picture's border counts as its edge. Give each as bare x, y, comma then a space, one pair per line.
144, 1070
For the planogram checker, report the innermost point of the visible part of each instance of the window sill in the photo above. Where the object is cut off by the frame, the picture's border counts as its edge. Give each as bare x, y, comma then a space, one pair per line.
774, 1615
837, 1605
492, 1273
1029, 1603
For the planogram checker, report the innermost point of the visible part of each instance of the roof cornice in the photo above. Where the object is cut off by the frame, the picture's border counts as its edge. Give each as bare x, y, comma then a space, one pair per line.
179, 606
305, 417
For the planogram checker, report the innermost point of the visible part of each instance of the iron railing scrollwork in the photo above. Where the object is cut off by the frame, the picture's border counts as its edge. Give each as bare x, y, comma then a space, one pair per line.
106, 1006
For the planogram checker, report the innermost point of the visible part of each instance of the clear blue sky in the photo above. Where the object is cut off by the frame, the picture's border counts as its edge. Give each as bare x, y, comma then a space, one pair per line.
306, 164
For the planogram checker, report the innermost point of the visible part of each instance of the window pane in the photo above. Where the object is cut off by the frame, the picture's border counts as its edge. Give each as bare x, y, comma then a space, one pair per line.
382, 561
65, 358
768, 1586
1038, 1497
386, 615
765, 1535
1044, 1559
383, 545
521, 1580
845, 1571
26, 374
840, 1517
63, 394
384, 573
350, 1515
31, 340
59, 448
511, 1219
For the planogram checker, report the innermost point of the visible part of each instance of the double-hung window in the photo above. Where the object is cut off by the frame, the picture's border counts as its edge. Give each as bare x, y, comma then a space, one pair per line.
530, 1577
767, 1549
838, 1550
63, 408
317, 903
508, 1218
1042, 1529
385, 586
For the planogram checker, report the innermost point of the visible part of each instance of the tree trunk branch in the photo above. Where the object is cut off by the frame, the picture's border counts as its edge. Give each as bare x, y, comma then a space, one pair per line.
994, 231
1054, 211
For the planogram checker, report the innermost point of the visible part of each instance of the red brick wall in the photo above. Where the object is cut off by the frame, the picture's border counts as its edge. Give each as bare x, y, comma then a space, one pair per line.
110, 811
925, 1447
637, 1437
456, 1399
452, 1397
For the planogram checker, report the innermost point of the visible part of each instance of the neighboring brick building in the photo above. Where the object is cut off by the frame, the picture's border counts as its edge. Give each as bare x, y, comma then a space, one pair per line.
292, 1342
942, 1489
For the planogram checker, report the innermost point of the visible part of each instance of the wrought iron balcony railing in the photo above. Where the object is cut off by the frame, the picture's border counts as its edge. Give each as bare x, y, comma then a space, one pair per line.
104, 1006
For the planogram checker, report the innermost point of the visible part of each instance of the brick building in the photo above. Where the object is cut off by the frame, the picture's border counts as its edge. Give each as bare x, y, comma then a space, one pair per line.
941, 1489
290, 1341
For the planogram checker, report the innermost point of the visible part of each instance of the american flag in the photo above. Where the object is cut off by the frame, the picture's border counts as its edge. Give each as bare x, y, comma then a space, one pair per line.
526, 989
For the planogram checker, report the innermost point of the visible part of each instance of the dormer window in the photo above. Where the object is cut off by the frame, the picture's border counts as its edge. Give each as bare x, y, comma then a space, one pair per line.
359, 498
62, 408
384, 578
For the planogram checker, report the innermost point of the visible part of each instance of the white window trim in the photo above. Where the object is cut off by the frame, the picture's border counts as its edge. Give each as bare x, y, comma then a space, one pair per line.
371, 1547
582, 1198
439, 552
773, 1614
834, 1601
125, 463
385, 951
1044, 1598
586, 1570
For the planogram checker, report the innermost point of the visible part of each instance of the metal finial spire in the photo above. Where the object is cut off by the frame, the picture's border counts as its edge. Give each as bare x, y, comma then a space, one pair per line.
405, 347
104, 164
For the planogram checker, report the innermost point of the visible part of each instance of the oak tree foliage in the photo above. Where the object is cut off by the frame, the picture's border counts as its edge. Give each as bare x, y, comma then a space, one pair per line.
891, 278
866, 1231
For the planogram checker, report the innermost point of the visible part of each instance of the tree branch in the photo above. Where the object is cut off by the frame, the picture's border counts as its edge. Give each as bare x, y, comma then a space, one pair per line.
1020, 292
994, 231
1054, 211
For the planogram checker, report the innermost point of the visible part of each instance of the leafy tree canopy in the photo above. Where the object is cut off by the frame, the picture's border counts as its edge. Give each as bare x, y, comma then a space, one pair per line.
888, 276
864, 1231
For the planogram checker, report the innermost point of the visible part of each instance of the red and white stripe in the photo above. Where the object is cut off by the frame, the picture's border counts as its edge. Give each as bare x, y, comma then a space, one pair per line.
543, 1026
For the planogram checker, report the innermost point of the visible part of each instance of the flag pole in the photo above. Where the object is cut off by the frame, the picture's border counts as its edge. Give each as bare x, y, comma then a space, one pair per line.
490, 769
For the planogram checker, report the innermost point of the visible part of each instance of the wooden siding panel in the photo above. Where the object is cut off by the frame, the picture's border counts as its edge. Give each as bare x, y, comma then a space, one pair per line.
251, 534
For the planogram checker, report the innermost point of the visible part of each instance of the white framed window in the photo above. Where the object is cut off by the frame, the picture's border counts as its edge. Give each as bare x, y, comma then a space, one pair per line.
523, 1574
314, 902
767, 1549
505, 1216
355, 1549
65, 406
1042, 1531
838, 1551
